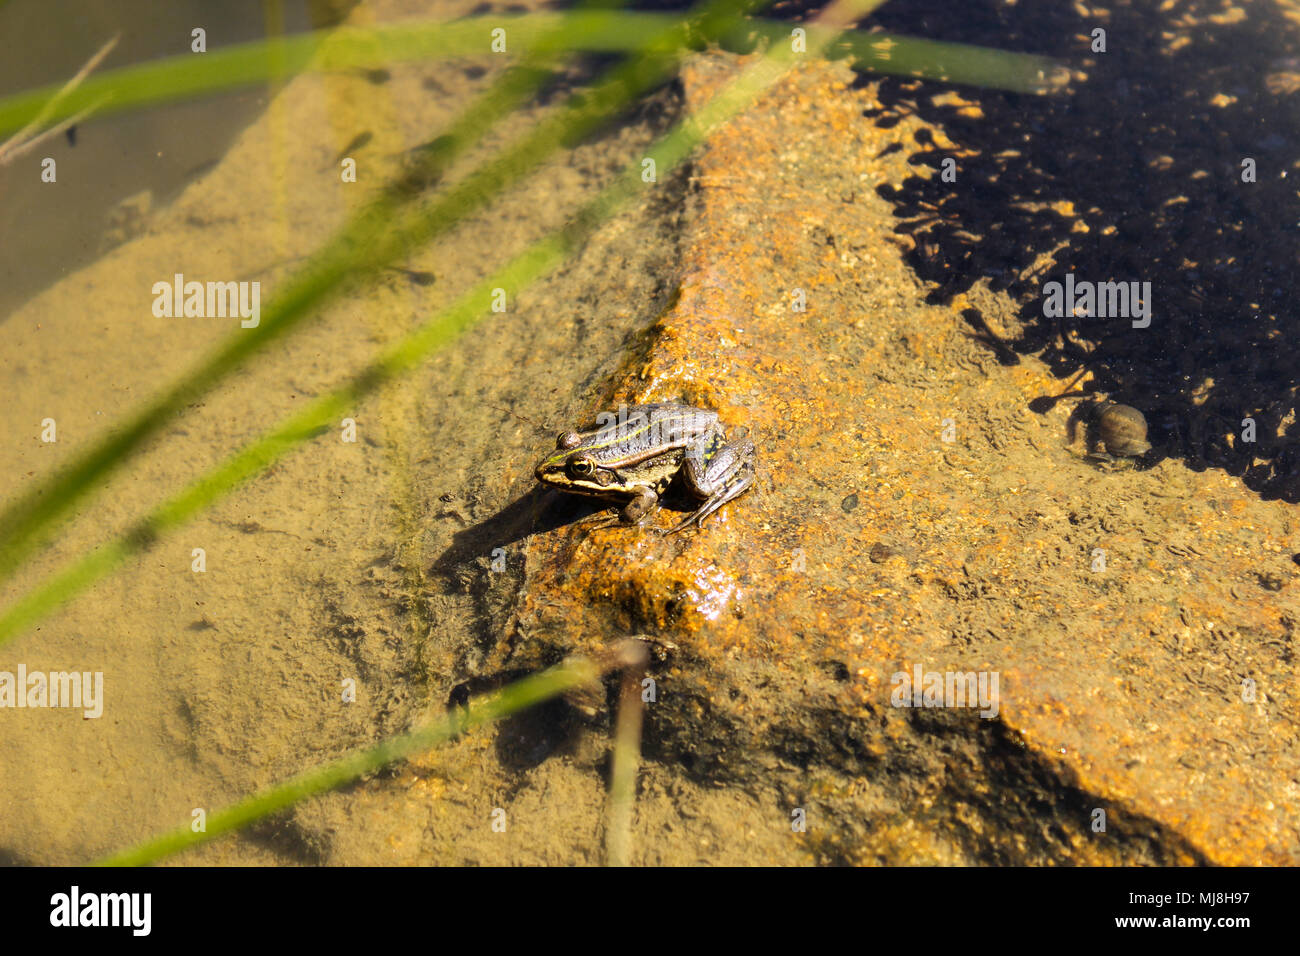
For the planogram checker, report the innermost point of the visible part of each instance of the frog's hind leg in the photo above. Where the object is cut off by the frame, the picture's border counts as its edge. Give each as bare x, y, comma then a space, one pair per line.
718, 473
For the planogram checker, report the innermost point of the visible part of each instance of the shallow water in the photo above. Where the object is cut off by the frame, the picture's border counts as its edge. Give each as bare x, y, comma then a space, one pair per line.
416, 564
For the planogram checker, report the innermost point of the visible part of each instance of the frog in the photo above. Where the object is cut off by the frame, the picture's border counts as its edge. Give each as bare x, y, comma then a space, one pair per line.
632, 456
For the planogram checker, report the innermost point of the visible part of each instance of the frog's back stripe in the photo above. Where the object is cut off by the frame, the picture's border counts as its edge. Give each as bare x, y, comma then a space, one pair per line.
626, 432
617, 434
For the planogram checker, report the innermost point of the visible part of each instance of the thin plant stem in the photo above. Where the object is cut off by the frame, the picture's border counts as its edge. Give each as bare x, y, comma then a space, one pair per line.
625, 758
24, 139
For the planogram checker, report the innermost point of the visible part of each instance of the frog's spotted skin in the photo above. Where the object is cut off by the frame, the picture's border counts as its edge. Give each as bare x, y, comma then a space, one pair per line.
634, 455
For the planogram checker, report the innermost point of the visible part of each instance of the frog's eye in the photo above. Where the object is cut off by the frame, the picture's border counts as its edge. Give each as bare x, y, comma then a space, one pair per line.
568, 440
581, 467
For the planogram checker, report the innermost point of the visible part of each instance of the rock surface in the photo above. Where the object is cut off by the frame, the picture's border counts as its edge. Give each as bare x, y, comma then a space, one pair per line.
915, 514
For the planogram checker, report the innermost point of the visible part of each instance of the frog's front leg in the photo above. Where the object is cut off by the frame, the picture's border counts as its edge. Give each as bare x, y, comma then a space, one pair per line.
631, 513
717, 472
640, 506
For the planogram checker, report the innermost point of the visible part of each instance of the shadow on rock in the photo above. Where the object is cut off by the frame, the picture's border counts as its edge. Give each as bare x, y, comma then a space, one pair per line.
1134, 174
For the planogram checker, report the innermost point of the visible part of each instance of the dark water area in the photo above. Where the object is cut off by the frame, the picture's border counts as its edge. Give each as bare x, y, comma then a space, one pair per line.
1172, 159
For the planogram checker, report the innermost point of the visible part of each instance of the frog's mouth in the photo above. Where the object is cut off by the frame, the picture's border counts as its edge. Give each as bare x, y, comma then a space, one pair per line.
601, 482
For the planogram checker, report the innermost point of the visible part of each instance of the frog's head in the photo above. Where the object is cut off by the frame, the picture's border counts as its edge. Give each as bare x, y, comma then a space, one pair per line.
573, 468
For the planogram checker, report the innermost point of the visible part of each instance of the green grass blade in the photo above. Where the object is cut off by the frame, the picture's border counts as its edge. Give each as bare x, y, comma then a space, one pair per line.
191, 75
341, 49
897, 55
509, 700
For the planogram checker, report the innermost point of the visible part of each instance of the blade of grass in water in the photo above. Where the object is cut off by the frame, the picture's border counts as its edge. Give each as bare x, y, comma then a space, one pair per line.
187, 76
342, 49
669, 151
509, 700
375, 237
